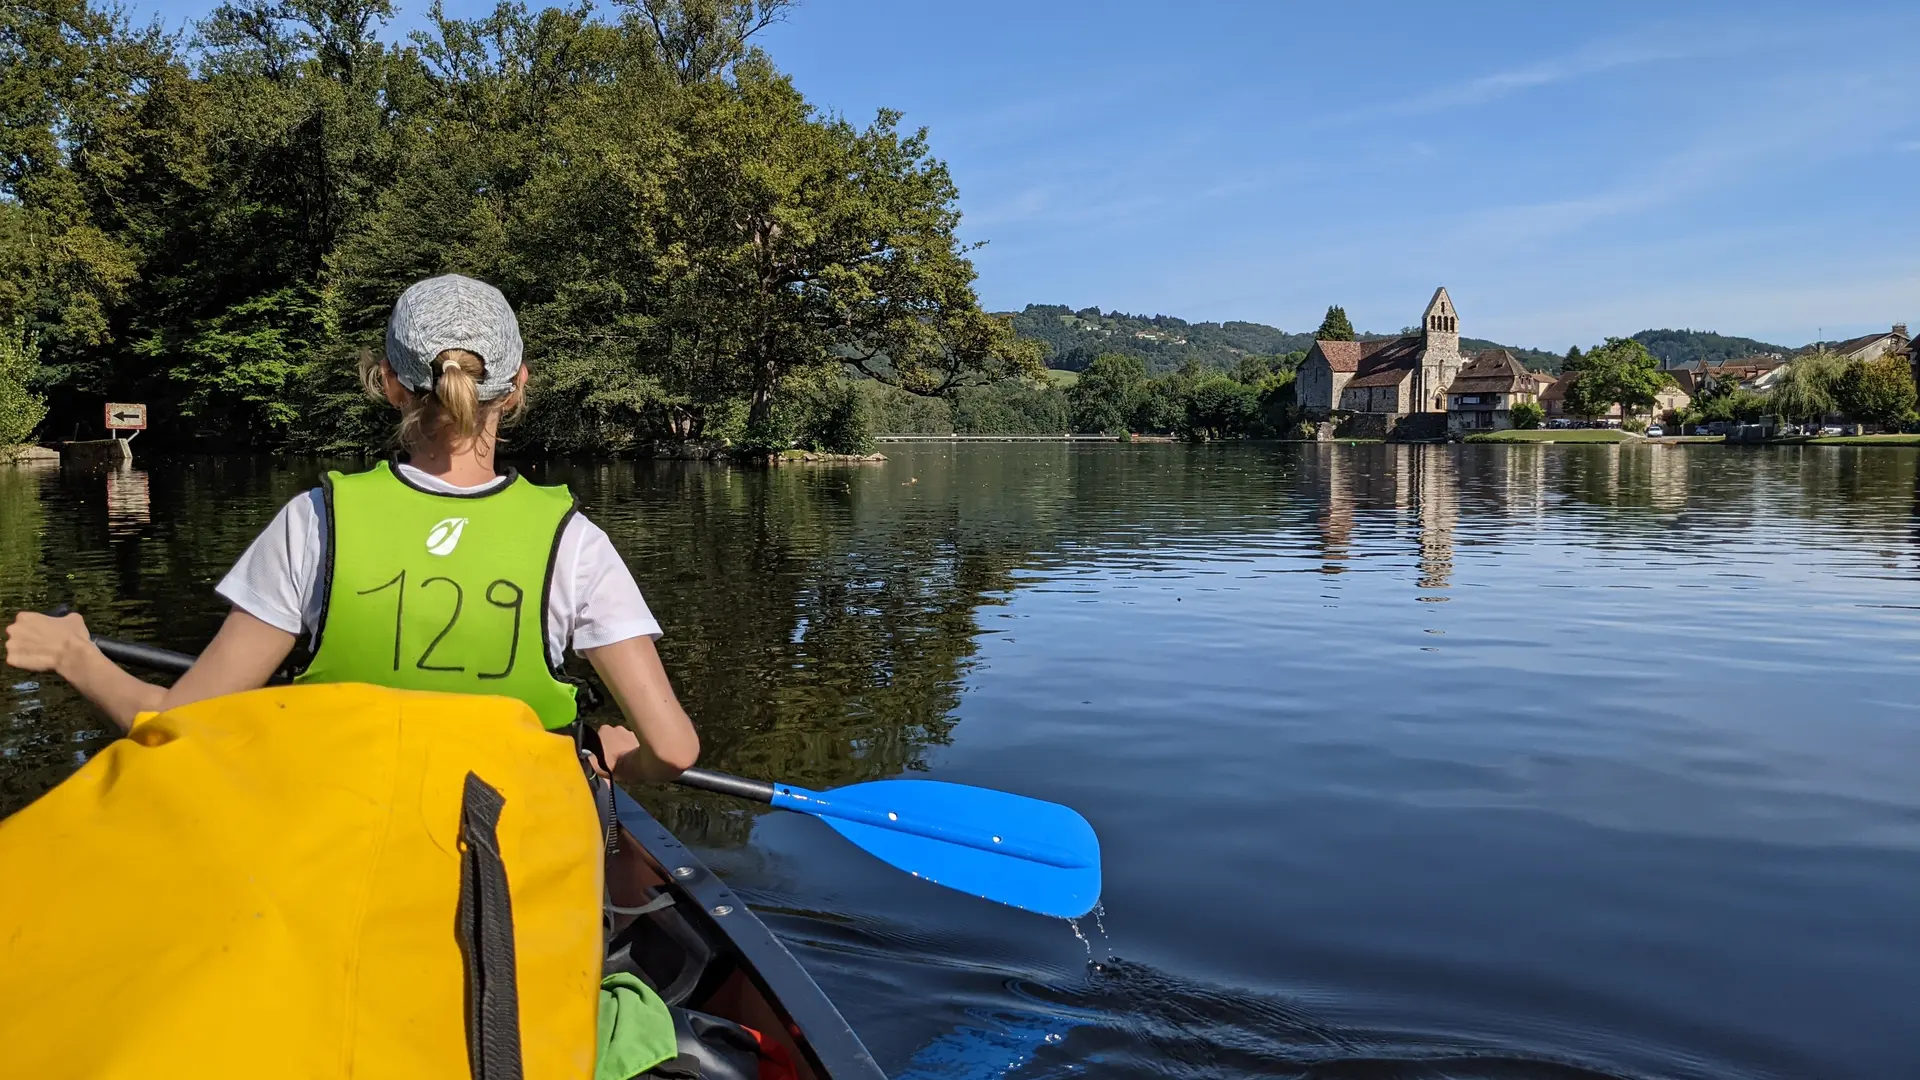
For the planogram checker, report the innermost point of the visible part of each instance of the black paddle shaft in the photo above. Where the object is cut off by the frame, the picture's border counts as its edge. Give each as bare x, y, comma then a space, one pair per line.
157, 659
722, 784
144, 656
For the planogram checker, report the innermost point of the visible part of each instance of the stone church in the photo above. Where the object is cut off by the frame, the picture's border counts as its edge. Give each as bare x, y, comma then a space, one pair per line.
1395, 377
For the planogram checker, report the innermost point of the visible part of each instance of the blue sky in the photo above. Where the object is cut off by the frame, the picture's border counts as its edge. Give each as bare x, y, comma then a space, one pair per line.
1568, 171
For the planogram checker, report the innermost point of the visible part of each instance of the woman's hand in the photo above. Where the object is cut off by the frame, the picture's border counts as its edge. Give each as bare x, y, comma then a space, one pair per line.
37, 642
241, 657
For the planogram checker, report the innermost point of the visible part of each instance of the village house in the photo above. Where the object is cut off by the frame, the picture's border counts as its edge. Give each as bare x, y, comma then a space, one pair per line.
1395, 377
1553, 399
1757, 372
1485, 391
1874, 346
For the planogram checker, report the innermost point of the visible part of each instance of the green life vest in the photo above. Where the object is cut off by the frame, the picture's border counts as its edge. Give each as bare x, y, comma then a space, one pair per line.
431, 591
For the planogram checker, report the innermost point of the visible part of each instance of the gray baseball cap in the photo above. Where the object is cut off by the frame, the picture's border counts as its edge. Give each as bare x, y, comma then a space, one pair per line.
453, 312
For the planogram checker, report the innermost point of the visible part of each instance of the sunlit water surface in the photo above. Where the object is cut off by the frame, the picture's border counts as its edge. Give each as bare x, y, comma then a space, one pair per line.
1407, 762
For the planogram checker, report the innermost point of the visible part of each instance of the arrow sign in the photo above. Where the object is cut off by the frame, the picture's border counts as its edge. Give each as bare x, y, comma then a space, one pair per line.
122, 416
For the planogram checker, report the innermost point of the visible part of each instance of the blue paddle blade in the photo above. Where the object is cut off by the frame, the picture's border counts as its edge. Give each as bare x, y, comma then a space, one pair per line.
1025, 853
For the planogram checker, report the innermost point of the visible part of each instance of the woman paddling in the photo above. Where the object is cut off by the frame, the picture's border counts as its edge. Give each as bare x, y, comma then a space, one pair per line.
434, 574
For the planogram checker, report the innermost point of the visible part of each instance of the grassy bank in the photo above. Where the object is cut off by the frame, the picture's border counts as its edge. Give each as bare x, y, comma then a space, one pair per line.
1867, 440
1567, 435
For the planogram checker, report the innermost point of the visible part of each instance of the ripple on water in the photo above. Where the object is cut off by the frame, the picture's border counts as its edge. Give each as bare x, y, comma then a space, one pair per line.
1635, 800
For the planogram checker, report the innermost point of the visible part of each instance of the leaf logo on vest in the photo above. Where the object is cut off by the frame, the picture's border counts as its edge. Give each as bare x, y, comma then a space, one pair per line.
444, 537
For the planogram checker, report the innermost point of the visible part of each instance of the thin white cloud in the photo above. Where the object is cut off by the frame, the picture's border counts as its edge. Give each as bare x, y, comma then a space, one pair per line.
1597, 58
1655, 44
1822, 115
1593, 60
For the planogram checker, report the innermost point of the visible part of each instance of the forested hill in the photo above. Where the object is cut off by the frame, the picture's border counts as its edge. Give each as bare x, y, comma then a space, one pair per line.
1073, 338
1675, 347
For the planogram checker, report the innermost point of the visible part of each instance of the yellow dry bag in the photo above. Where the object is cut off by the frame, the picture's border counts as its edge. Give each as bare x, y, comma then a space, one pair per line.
308, 882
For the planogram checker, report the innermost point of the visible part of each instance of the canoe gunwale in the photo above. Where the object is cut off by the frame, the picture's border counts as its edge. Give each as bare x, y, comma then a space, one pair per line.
823, 1034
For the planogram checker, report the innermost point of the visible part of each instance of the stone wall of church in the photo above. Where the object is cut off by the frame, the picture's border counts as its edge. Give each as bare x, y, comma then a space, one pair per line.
1313, 387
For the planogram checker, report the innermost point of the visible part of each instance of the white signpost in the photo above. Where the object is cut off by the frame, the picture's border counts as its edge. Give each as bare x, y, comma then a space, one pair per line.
122, 416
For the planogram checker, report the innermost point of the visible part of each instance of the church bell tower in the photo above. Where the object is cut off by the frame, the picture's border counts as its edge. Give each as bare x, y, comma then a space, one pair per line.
1440, 356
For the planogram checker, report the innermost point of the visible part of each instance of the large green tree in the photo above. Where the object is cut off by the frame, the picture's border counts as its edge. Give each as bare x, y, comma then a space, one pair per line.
1101, 400
1220, 407
88, 140
1878, 391
221, 228
1620, 372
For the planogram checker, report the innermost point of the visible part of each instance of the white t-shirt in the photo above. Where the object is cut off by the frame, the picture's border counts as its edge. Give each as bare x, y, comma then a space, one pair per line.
593, 600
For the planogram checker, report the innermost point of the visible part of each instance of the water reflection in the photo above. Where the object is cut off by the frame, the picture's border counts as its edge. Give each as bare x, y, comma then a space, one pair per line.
129, 501
821, 623
1637, 796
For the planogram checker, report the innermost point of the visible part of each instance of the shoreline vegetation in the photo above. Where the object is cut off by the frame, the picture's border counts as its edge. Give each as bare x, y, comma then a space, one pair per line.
215, 221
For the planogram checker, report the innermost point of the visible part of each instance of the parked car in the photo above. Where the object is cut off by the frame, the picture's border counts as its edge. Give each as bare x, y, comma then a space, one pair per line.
1655, 431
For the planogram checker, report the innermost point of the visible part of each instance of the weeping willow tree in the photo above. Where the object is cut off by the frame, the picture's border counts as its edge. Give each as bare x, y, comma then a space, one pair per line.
1808, 387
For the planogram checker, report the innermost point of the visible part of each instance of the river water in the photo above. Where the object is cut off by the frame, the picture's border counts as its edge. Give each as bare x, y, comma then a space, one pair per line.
1548, 761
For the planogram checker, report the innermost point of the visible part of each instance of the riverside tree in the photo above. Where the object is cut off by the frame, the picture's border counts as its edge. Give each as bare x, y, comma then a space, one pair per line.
20, 408
1620, 372
219, 227
1102, 400
1879, 391
1807, 388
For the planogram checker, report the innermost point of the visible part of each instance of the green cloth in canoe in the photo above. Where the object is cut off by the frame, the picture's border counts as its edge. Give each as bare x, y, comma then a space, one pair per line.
636, 1031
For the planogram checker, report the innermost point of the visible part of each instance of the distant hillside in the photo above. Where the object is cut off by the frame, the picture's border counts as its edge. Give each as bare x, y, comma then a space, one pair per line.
1675, 347
1074, 338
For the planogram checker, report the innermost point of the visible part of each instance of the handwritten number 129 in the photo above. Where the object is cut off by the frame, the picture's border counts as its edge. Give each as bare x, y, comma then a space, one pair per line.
499, 593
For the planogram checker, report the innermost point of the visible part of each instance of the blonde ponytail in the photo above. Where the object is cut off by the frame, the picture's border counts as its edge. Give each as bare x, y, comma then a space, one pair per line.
452, 409
456, 388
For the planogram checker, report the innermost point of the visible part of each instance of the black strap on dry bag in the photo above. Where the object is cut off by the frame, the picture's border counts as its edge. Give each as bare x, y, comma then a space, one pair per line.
486, 937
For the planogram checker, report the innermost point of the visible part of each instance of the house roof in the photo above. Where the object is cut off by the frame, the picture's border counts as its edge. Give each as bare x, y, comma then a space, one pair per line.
1558, 391
1852, 345
1387, 362
1755, 362
1392, 375
1492, 371
1341, 355
1351, 355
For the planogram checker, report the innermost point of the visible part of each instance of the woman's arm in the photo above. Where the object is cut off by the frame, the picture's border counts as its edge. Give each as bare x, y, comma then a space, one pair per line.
666, 744
242, 656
